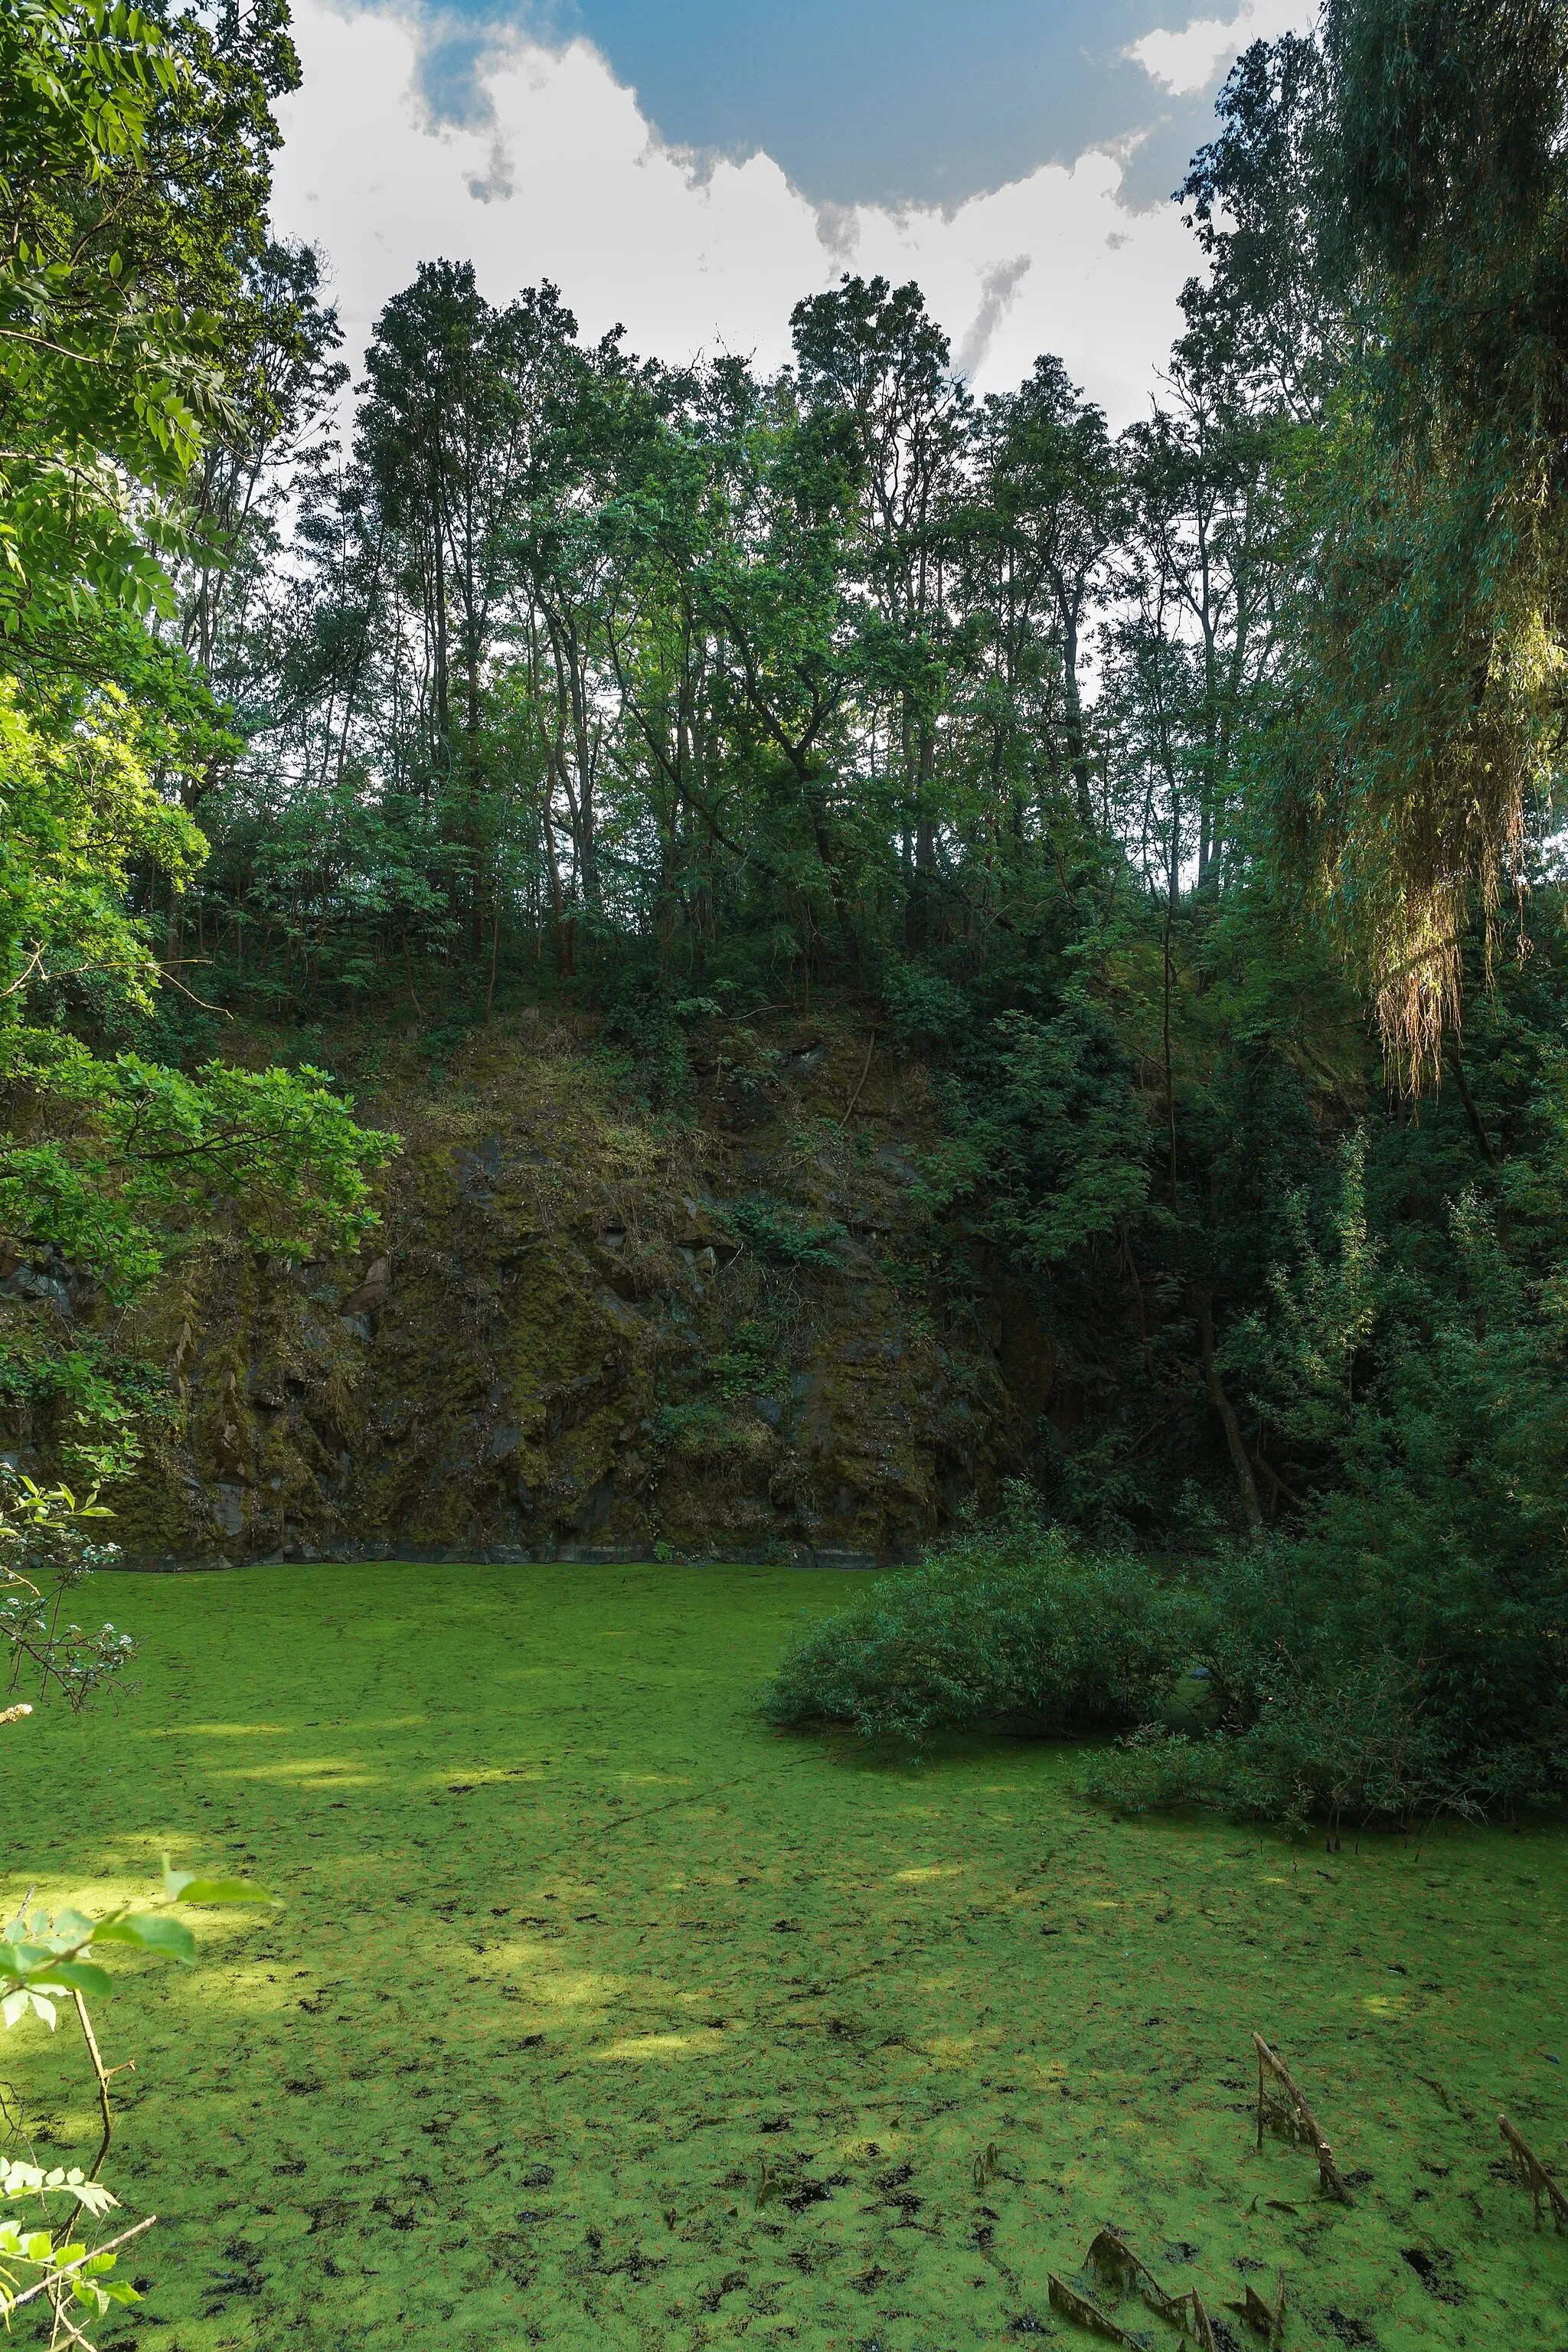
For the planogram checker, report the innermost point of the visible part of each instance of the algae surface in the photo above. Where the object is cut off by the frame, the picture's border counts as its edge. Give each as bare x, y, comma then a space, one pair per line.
600, 2015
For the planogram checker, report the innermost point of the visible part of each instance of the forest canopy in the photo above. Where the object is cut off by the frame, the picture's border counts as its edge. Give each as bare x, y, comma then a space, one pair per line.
1185, 796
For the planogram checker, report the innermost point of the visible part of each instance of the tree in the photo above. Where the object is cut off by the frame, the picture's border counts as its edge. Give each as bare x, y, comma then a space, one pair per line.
133, 196
872, 368
1423, 726
1047, 506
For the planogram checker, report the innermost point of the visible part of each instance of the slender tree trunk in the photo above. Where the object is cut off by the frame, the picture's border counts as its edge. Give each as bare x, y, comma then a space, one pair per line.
1246, 1485
1072, 711
1483, 1141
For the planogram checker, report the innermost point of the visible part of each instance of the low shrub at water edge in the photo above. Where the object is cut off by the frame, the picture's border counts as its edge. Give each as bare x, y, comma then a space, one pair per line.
1374, 1671
1359, 1753
1333, 1681
1015, 1626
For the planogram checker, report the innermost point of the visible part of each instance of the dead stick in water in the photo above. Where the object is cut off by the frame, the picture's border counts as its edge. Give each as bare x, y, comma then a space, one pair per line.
1534, 2175
1305, 2121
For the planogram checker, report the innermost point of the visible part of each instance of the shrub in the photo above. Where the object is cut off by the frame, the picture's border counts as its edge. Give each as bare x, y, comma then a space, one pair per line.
1365, 1749
782, 1236
1011, 1626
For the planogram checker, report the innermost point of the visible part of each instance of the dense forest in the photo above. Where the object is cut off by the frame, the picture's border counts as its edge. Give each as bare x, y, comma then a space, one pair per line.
628, 988
1179, 801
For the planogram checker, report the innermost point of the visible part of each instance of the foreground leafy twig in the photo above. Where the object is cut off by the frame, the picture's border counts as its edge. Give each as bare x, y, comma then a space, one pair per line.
79, 2262
43, 1958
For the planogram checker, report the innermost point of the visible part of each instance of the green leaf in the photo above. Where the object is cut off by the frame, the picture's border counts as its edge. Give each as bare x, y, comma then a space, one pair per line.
223, 1890
152, 1932
91, 2196
79, 1976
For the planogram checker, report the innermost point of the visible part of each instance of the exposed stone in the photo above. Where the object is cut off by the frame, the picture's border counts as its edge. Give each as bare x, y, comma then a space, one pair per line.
557, 1344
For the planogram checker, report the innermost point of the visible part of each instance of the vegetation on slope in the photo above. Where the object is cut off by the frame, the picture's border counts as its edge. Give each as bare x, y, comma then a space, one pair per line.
673, 700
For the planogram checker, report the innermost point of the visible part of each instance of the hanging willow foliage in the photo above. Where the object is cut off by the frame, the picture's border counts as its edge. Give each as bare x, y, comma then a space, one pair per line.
1424, 722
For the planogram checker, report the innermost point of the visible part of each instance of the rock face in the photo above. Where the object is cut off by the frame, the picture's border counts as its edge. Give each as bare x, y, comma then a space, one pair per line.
581, 1329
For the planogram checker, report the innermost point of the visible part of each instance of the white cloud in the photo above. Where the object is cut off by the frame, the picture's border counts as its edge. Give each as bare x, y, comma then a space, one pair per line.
567, 181
1187, 61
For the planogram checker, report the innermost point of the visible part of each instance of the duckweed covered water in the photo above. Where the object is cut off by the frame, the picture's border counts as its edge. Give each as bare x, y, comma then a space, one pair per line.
602, 2016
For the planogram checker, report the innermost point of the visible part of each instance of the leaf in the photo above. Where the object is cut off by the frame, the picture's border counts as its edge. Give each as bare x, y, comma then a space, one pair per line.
223, 1890
14, 2005
91, 2196
152, 1932
44, 2007
28, 1959
77, 1976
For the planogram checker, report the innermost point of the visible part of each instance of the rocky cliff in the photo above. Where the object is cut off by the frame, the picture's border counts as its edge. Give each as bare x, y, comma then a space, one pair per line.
584, 1328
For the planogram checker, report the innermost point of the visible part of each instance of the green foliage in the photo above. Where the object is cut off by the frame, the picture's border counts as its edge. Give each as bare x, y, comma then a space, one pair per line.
1011, 1626
141, 1151
1063, 1139
95, 384
41, 1952
1405, 1650
108, 1165
1400, 1650
748, 1363
133, 193
81, 814
780, 1235
1418, 723
645, 1026
43, 1535
42, 1963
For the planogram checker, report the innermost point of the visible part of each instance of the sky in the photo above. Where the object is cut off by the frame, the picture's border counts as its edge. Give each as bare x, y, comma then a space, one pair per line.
689, 168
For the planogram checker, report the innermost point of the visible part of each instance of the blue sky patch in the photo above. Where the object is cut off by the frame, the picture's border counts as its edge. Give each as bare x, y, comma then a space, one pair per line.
860, 101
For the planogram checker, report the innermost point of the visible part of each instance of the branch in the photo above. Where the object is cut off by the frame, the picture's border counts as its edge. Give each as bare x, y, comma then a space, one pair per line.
167, 980
67, 2268
864, 1073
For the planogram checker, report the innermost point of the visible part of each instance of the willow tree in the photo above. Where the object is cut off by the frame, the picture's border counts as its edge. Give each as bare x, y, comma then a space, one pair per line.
1426, 720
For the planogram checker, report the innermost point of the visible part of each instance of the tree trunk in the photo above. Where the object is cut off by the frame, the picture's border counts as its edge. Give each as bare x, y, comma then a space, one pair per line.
1203, 1303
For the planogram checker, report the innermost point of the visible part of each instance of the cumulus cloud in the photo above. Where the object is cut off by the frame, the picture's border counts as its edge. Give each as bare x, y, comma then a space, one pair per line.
560, 176
1185, 62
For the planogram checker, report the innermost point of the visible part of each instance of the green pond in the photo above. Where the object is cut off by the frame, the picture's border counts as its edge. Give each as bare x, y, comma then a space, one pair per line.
599, 2014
